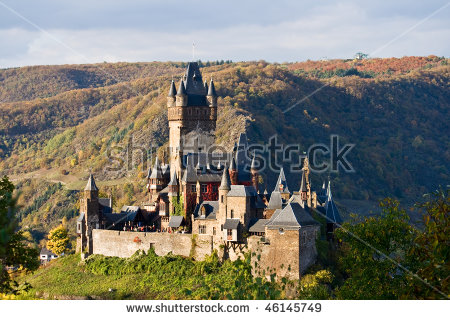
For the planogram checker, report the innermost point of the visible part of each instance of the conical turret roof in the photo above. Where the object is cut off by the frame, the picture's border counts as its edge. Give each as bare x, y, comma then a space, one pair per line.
181, 89
91, 186
172, 91
225, 183
173, 180
212, 89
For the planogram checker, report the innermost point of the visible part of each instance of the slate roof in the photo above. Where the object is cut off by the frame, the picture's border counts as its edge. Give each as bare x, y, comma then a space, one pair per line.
172, 91
175, 221
91, 184
173, 181
331, 210
47, 252
303, 183
212, 89
211, 209
276, 201
156, 172
282, 182
242, 191
293, 216
243, 161
258, 225
225, 182
231, 224
194, 86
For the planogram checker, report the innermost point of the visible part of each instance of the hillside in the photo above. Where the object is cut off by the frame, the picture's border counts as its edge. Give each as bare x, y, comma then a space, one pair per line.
58, 122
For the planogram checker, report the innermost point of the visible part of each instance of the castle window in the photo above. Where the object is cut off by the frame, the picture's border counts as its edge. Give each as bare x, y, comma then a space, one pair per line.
204, 188
232, 214
229, 234
221, 199
281, 231
214, 231
202, 229
193, 188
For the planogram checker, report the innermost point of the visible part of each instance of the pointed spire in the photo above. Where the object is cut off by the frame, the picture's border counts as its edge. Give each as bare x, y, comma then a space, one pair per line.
303, 185
253, 165
156, 172
181, 89
233, 164
173, 180
226, 182
149, 172
219, 166
90, 186
281, 182
172, 91
212, 89
331, 211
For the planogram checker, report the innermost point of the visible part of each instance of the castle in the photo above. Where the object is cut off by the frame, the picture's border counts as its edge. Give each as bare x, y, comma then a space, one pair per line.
201, 202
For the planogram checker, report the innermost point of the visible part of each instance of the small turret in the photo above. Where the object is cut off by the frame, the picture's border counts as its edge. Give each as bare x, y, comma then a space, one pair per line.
225, 187
212, 89
173, 185
233, 172
181, 97
91, 190
171, 97
254, 173
225, 183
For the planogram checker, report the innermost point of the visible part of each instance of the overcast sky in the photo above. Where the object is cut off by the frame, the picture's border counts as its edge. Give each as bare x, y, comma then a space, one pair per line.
34, 32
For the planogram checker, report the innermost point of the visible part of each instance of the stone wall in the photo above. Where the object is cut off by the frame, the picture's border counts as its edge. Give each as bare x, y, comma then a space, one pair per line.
285, 254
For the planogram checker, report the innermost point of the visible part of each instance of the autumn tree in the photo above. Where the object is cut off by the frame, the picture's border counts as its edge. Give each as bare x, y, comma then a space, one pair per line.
58, 239
13, 250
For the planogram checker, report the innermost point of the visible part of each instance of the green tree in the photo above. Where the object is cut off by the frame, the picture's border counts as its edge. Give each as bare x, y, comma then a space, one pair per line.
431, 250
58, 239
372, 253
13, 251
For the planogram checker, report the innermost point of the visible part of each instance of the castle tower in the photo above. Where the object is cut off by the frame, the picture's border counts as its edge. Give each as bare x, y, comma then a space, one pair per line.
305, 187
223, 191
90, 207
254, 173
191, 108
173, 189
233, 172
156, 181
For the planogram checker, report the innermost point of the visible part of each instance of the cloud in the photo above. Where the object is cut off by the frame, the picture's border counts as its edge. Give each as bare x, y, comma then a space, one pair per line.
335, 30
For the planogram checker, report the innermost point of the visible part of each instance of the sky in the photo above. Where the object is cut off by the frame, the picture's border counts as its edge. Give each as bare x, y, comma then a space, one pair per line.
43, 32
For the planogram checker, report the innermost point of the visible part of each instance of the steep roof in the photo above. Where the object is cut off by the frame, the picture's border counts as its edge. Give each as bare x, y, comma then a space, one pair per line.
173, 181
282, 183
243, 162
225, 183
91, 186
195, 88
212, 89
331, 210
293, 216
303, 183
156, 172
172, 91
210, 209
175, 221
258, 225
181, 89
276, 201
231, 224
242, 191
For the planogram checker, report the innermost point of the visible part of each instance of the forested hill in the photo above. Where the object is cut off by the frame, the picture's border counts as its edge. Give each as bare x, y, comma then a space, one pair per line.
61, 119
